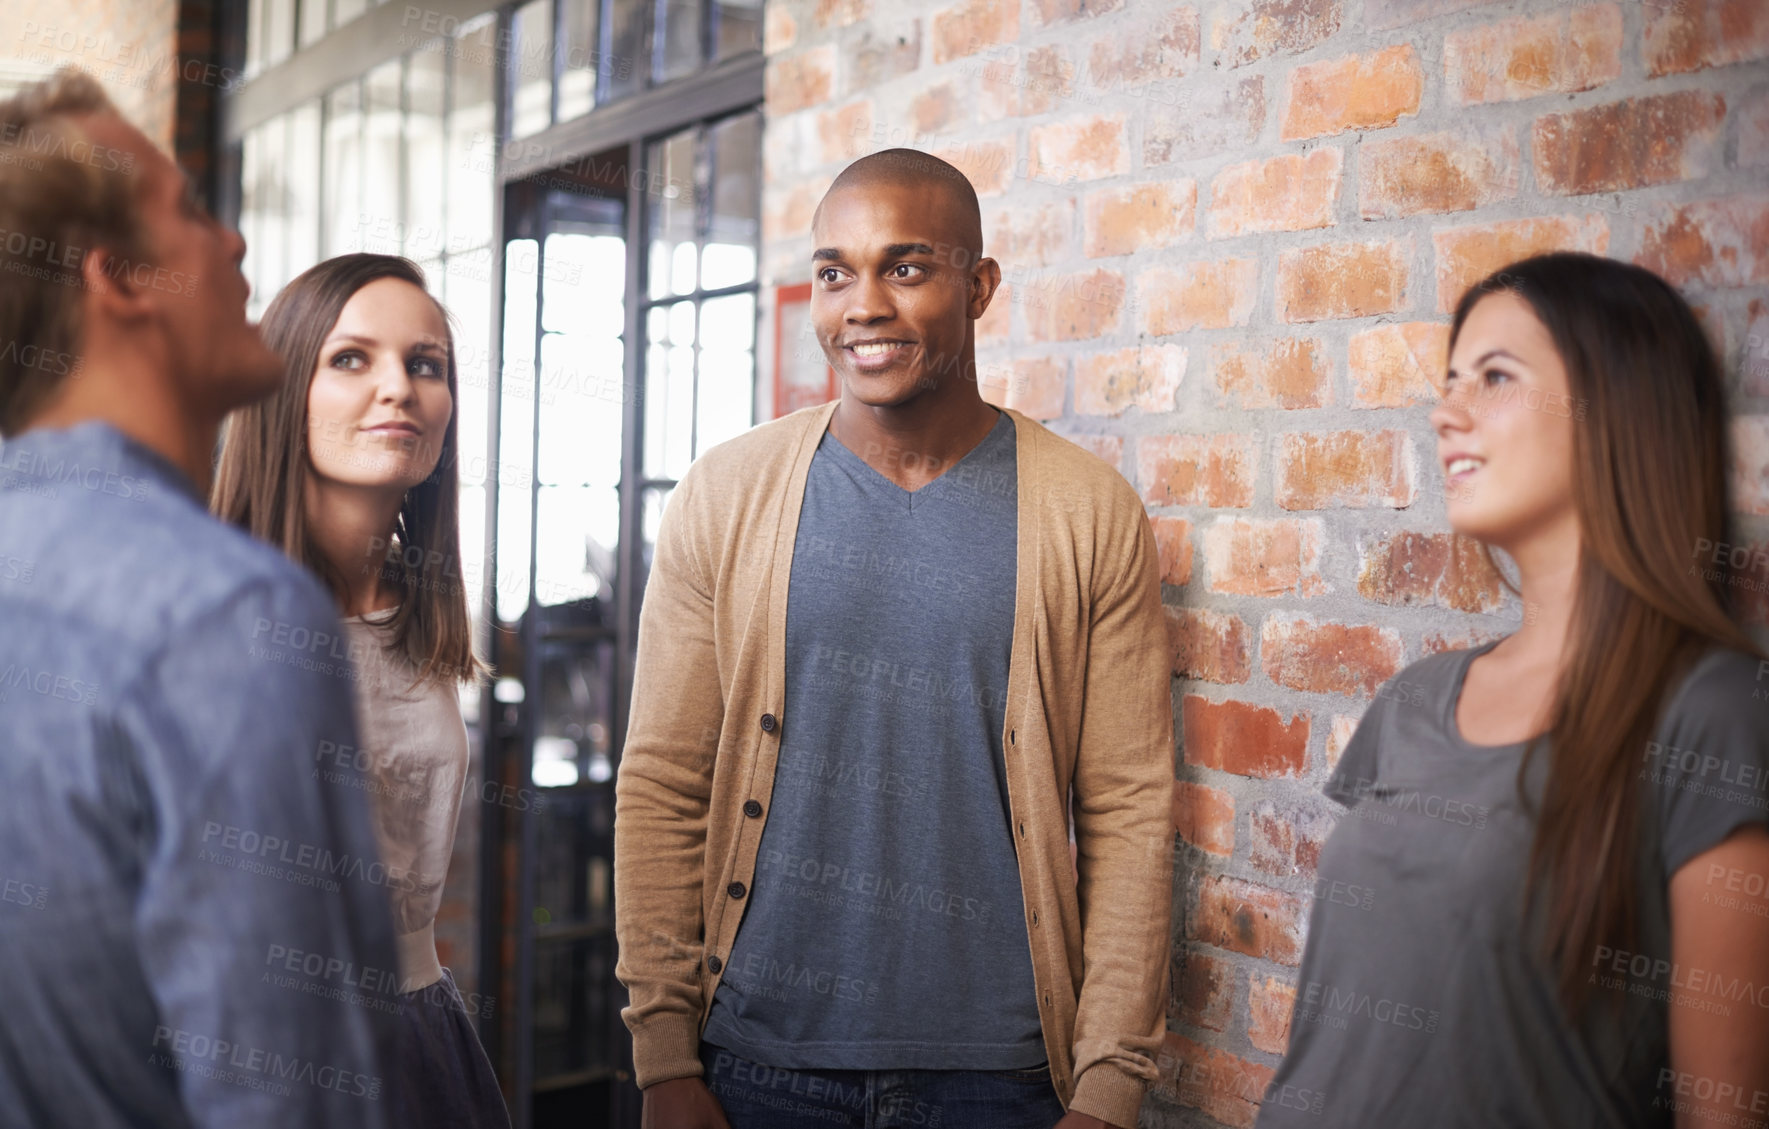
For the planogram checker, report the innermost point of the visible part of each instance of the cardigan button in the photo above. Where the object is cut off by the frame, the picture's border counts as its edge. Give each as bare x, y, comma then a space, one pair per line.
713, 964
769, 723
752, 809
735, 889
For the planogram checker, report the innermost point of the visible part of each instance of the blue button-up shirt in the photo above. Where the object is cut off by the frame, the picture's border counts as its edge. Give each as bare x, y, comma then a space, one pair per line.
194, 924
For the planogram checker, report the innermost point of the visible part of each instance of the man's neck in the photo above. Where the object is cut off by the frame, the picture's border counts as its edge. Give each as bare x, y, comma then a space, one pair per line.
141, 407
914, 443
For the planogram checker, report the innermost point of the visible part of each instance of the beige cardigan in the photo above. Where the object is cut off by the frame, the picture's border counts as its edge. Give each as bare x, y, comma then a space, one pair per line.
1089, 729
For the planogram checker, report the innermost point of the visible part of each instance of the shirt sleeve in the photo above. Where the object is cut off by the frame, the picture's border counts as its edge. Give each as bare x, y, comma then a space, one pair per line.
1355, 774
263, 917
1708, 769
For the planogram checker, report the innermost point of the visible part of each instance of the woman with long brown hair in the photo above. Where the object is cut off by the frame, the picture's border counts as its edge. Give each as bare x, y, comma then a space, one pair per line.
1545, 906
351, 469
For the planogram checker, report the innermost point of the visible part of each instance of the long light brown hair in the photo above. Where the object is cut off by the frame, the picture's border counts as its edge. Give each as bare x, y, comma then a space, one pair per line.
261, 482
1649, 487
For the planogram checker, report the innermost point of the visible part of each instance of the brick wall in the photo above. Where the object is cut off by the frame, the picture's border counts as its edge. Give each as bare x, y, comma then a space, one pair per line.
1231, 235
130, 45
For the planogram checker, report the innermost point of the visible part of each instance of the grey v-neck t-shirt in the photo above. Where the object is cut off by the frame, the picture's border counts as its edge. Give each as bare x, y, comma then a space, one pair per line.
1423, 997
884, 929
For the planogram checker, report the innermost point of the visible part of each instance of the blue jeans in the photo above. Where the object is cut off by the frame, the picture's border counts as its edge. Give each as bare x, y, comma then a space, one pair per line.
755, 1096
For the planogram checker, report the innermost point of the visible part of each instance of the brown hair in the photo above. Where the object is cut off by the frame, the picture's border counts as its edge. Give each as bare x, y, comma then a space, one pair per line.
55, 206
262, 480
1640, 366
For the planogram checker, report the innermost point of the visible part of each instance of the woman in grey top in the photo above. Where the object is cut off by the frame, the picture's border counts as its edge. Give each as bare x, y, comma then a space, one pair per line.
1545, 907
351, 469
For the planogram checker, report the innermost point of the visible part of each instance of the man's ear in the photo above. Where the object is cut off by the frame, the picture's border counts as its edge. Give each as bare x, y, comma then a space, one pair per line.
110, 288
984, 282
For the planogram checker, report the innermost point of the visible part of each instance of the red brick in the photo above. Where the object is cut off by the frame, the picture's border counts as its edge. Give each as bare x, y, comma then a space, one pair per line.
1248, 918
1048, 12
877, 55
1204, 817
1208, 646
1196, 470
1753, 130
1173, 544
1166, 47
1690, 35
1355, 469
994, 327
1628, 144
998, 89
1399, 365
797, 81
1242, 738
1286, 841
1269, 1004
1339, 732
1253, 29
1033, 385
1467, 255
1140, 217
1027, 235
1383, 14
1048, 80
1203, 990
1292, 192
1226, 1088
779, 30
1143, 376
788, 210
839, 13
1356, 92
968, 27
1304, 653
1213, 294
1721, 242
845, 133
1437, 642
988, 165
1219, 119
1522, 58
935, 108
1750, 465
1072, 307
1108, 448
1429, 568
1342, 280
1451, 171
1262, 557
1292, 372
1084, 148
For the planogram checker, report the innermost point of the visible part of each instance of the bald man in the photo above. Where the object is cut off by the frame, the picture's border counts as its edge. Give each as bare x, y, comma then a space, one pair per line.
892, 649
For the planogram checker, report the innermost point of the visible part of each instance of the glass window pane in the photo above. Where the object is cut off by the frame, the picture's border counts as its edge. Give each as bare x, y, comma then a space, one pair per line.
313, 21
472, 147
673, 222
469, 303
626, 64
279, 31
251, 213
383, 141
726, 390
740, 27
426, 161
682, 47
304, 187
580, 57
343, 11
576, 535
580, 418
669, 398
515, 435
254, 37
344, 218
734, 222
532, 67
272, 199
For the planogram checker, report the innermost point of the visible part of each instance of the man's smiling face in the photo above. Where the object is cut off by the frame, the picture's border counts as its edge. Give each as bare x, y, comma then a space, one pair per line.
898, 287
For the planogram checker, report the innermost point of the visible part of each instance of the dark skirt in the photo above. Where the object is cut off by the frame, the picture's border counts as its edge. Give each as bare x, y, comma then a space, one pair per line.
444, 1079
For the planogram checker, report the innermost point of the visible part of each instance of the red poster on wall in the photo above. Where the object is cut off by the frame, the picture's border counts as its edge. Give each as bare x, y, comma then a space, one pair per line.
802, 376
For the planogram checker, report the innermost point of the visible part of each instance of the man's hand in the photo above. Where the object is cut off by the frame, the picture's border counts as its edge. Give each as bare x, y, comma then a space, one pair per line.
1084, 1121
686, 1103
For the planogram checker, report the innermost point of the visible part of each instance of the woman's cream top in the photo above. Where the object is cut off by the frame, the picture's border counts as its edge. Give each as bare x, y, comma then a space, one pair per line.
414, 752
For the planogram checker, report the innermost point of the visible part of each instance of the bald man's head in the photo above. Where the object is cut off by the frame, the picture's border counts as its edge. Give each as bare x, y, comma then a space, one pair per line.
945, 190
